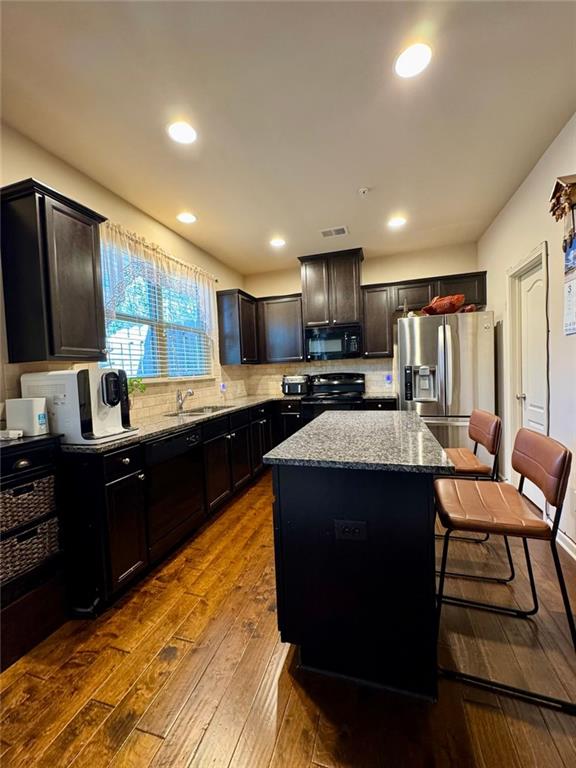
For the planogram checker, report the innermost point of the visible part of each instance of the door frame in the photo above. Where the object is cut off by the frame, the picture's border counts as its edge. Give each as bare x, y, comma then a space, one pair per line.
536, 258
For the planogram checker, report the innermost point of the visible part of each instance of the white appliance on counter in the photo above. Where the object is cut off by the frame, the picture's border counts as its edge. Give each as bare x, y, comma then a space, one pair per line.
87, 406
446, 370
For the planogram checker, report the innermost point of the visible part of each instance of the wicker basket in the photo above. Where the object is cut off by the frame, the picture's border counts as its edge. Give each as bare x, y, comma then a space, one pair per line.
26, 550
25, 503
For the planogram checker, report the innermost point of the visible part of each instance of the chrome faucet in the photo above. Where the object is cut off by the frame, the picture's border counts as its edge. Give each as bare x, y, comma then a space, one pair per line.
181, 399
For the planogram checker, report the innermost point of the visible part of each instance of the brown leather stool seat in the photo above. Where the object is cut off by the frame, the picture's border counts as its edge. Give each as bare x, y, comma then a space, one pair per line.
467, 463
470, 505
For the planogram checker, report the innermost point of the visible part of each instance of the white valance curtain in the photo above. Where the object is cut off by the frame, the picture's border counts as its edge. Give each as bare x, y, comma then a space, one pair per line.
160, 312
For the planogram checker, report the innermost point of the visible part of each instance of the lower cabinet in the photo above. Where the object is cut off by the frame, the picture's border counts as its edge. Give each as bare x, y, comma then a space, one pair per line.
228, 450
240, 462
126, 518
261, 431
103, 500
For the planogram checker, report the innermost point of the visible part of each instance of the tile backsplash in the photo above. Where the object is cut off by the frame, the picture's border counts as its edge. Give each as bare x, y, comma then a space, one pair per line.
239, 381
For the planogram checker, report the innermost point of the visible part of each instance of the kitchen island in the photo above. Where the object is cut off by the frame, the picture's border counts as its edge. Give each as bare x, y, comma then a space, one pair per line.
354, 547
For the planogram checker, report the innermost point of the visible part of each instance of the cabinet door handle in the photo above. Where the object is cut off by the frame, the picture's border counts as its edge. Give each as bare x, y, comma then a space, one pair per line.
233, 434
228, 437
141, 476
126, 460
262, 421
22, 464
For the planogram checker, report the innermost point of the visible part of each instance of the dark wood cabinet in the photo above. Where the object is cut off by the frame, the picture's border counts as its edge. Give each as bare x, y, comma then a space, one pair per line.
345, 293
33, 592
331, 292
416, 294
261, 432
51, 274
227, 456
377, 321
280, 329
126, 517
290, 423
237, 328
240, 459
105, 546
472, 285
217, 470
315, 291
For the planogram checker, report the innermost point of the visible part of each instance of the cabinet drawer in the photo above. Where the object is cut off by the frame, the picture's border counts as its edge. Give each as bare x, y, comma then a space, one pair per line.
20, 461
290, 406
239, 419
215, 427
259, 412
122, 463
386, 404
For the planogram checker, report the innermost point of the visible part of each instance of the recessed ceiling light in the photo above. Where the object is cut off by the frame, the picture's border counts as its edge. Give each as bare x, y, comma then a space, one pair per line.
396, 222
186, 217
413, 60
277, 242
182, 132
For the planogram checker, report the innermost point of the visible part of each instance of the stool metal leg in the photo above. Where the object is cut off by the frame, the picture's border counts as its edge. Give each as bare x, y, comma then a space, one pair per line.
503, 609
541, 700
490, 579
564, 592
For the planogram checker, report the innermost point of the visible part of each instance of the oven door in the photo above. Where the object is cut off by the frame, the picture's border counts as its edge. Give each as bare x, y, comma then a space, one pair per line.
333, 343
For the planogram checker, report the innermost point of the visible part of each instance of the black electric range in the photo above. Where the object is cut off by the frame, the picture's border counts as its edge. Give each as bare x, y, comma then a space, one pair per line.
333, 392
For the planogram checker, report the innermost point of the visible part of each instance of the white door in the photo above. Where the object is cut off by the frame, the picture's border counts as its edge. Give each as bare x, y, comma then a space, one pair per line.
533, 393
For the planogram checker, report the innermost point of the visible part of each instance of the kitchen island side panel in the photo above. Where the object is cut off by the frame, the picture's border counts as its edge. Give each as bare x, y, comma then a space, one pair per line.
356, 573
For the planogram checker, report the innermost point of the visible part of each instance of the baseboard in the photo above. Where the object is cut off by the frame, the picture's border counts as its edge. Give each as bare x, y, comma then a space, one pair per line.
567, 544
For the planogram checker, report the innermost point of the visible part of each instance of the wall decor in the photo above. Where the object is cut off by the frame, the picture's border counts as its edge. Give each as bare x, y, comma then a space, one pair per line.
563, 208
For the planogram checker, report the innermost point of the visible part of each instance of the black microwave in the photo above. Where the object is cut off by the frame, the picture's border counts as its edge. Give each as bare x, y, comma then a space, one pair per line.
333, 343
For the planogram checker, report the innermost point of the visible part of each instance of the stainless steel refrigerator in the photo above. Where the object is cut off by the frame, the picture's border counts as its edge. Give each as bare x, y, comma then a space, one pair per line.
446, 369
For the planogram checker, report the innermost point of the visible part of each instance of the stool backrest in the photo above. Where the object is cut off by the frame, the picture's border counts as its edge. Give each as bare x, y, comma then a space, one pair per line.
485, 428
545, 462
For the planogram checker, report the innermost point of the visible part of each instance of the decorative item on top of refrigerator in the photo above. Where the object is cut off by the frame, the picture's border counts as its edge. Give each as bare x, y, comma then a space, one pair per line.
87, 406
446, 370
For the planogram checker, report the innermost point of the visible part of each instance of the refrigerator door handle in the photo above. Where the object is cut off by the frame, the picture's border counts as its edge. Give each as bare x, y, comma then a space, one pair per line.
449, 364
441, 367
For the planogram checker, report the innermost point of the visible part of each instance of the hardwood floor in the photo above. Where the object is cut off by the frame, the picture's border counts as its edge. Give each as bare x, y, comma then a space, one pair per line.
187, 670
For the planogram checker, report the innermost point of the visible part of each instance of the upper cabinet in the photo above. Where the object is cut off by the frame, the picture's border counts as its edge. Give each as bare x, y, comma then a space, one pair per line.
413, 295
331, 292
237, 328
280, 329
377, 321
51, 275
472, 285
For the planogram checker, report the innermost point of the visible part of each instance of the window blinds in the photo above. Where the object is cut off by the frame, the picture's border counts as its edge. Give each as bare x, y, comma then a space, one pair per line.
159, 311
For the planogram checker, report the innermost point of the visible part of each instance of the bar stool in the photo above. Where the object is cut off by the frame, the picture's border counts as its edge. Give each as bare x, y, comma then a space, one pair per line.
484, 429
500, 508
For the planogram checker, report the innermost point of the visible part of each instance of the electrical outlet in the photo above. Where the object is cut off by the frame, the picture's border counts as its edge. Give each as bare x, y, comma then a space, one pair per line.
350, 530
222, 386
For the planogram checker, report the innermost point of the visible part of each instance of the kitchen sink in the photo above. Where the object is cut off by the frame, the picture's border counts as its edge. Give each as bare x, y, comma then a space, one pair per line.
206, 410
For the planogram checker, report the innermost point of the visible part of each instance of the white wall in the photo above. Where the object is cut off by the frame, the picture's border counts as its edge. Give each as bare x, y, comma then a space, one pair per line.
23, 159
522, 224
448, 260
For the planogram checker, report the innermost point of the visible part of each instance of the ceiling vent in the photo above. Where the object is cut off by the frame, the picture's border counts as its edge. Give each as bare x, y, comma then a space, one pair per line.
334, 232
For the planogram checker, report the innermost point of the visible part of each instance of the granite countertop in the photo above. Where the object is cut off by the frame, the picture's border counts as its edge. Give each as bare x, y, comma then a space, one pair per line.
165, 425
395, 441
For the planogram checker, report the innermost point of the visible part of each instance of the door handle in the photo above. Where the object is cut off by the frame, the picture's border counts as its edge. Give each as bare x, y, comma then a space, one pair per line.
521, 396
449, 366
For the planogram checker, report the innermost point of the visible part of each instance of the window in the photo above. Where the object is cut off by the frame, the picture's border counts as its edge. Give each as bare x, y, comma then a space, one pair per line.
159, 312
